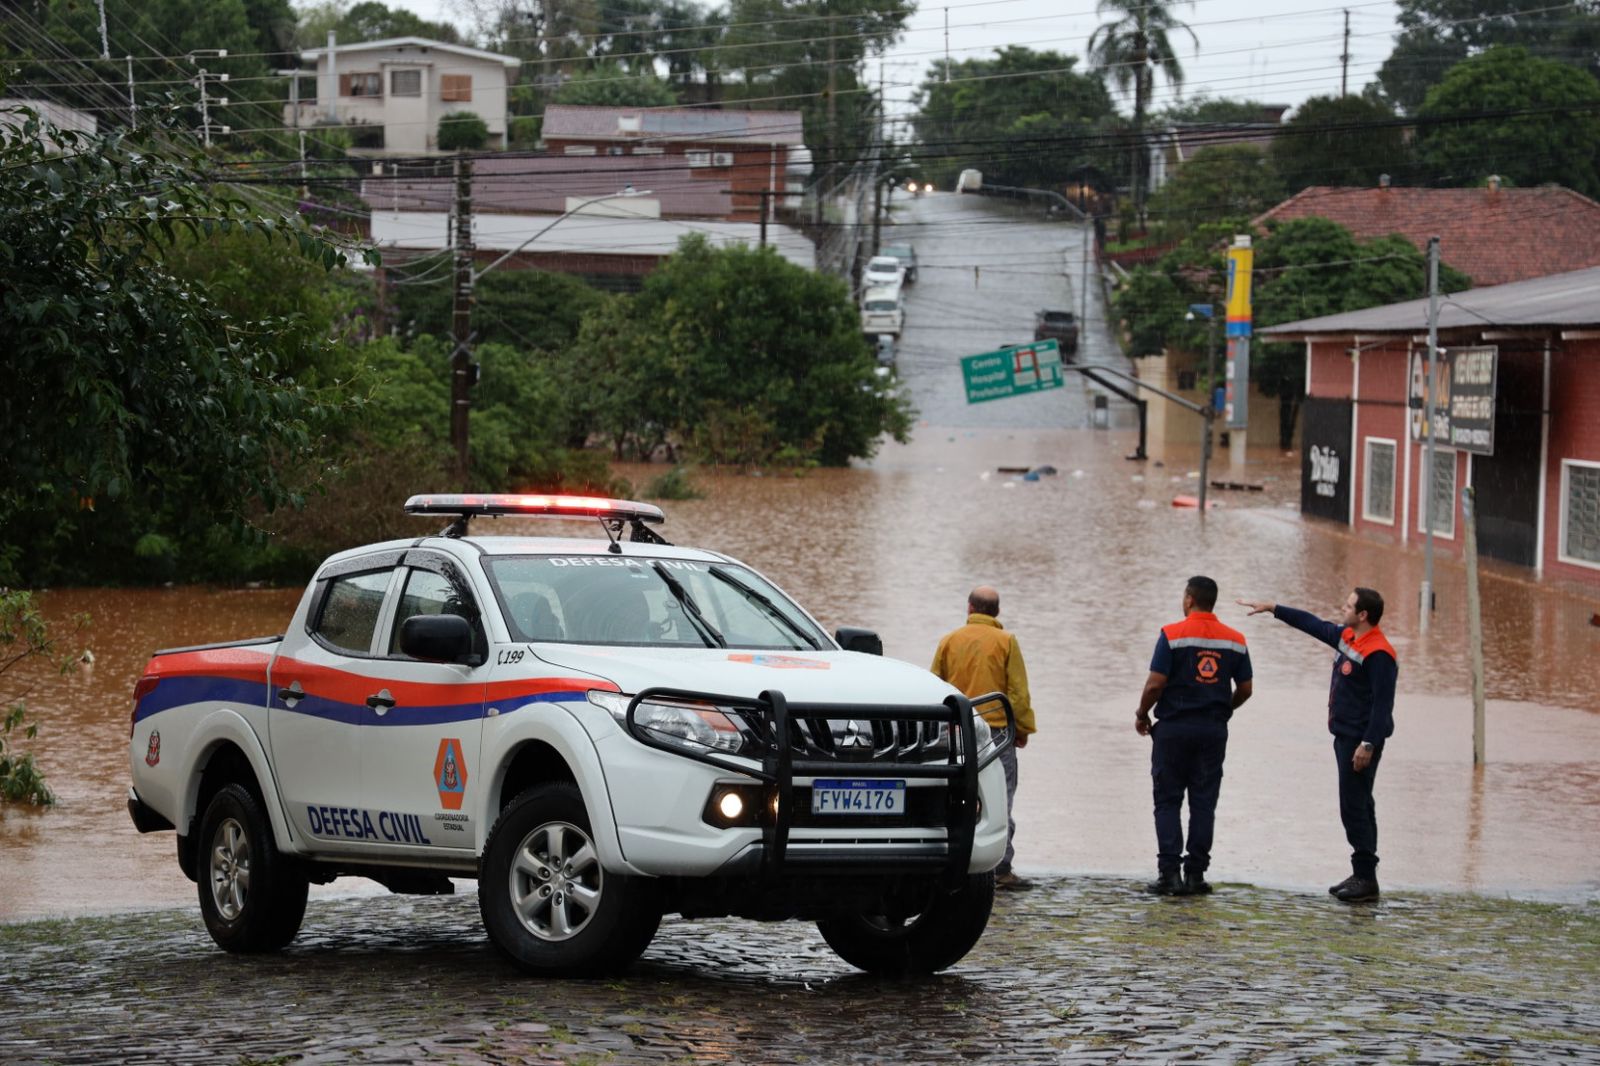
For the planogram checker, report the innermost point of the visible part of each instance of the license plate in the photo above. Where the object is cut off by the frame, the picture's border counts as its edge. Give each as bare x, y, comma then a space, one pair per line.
858, 797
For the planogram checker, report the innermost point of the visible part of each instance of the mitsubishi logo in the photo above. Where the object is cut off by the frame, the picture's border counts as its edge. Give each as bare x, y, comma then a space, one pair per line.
853, 737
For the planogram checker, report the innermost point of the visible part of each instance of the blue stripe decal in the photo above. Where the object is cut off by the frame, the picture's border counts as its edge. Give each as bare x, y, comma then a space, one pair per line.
182, 691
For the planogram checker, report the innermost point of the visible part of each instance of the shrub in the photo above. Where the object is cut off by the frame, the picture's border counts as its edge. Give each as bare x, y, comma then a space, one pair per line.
462, 132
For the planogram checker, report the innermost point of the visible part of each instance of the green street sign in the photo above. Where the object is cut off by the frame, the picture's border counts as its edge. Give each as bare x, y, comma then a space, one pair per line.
1012, 371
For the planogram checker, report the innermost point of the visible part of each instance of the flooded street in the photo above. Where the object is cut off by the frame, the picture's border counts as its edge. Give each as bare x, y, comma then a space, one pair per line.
1089, 562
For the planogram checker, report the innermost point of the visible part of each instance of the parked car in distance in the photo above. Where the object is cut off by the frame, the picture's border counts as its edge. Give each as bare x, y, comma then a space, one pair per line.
881, 311
885, 350
907, 256
1059, 326
883, 270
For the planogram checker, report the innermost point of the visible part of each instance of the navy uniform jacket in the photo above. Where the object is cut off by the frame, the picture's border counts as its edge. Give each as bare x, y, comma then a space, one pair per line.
1200, 657
1361, 696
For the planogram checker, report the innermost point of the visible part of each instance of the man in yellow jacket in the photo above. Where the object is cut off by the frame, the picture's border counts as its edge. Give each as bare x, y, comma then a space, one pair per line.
979, 658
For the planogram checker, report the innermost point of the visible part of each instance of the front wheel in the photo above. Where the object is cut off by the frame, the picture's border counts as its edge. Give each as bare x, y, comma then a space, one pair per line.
251, 897
938, 934
547, 903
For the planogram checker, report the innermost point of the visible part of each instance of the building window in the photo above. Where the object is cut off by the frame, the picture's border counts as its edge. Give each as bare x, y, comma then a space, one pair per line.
697, 158
1443, 484
648, 149
1188, 380
579, 149
1580, 512
405, 83
1378, 495
614, 149
361, 84
455, 88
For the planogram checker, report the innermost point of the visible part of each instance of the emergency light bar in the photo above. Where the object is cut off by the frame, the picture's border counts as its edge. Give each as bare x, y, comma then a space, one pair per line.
611, 513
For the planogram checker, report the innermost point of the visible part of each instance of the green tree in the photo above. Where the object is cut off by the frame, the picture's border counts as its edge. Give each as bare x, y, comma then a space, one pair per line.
1026, 117
1435, 35
1132, 49
25, 638
1304, 268
1556, 140
462, 131
1340, 140
1212, 110
609, 84
533, 310
367, 21
737, 344
1224, 181
129, 388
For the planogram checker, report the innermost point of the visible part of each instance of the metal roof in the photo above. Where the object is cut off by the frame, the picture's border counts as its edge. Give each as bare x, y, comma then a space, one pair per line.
314, 55
1558, 301
566, 122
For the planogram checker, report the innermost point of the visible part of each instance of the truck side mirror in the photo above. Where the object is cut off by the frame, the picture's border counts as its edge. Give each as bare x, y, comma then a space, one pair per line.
851, 638
440, 638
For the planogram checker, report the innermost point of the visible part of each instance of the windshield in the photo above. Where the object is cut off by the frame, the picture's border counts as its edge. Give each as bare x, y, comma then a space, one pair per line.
884, 266
592, 599
882, 305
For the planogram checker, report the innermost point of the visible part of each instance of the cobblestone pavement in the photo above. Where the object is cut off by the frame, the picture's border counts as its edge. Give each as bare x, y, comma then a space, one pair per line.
1081, 970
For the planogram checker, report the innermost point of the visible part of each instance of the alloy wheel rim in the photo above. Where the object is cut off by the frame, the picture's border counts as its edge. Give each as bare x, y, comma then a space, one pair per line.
556, 881
230, 869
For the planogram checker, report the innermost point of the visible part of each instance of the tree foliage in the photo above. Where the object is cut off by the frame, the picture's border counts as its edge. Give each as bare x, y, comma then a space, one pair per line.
609, 84
738, 354
1025, 118
462, 131
25, 638
367, 21
1554, 141
1435, 35
1304, 268
1340, 140
128, 384
1132, 49
1223, 181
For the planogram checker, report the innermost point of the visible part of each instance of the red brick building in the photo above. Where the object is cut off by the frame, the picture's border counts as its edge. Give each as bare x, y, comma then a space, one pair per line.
747, 152
1493, 235
1535, 470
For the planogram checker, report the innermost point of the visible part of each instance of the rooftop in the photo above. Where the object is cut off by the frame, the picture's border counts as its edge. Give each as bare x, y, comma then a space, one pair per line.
574, 122
1493, 235
313, 55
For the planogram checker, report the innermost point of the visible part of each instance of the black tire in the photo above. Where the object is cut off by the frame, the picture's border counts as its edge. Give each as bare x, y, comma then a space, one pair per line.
251, 896
547, 903
947, 927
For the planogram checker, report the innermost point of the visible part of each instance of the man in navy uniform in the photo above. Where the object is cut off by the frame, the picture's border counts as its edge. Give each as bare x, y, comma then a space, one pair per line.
1200, 674
1360, 717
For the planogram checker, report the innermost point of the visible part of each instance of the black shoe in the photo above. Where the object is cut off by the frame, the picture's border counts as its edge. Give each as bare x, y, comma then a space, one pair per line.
1334, 890
1357, 890
1167, 883
1011, 881
1195, 884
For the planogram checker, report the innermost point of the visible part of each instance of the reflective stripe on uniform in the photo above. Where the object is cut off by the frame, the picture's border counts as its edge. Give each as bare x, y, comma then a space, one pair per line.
1205, 642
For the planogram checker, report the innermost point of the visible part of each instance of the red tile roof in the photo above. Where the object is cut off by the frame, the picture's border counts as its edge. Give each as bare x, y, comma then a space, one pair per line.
1492, 235
572, 122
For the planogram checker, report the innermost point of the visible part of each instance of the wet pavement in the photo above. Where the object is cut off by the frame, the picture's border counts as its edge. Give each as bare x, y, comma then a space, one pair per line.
1079, 970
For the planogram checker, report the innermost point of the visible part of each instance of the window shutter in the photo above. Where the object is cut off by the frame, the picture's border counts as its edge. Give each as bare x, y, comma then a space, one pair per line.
455, 88
344, 84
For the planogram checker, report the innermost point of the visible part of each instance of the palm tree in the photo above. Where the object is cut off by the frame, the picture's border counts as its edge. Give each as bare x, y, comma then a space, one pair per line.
1132, 48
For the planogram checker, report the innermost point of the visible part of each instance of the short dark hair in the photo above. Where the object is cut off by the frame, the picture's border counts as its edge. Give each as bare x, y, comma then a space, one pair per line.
1368, 600
1204, 591
984, 601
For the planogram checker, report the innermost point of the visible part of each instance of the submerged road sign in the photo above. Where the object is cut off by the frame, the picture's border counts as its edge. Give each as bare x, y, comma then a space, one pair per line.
1012, 371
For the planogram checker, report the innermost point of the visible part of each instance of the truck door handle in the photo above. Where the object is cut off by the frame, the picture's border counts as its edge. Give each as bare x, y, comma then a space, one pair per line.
381, 701
291, 695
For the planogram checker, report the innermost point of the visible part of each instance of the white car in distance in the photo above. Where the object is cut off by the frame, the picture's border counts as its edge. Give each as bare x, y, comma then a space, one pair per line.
883, 270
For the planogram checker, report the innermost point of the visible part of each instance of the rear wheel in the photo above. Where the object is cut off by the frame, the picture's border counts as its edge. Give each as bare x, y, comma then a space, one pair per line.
917, 939
251, 897
547, 903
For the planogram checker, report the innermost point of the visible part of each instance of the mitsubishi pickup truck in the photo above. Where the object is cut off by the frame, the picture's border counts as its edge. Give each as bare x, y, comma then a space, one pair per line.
599, 730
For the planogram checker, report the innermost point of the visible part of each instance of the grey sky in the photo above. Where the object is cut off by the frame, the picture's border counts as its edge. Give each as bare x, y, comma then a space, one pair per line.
1276, 51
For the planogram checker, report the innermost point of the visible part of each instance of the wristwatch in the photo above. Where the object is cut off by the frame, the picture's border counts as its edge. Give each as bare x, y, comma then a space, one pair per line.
1367, 744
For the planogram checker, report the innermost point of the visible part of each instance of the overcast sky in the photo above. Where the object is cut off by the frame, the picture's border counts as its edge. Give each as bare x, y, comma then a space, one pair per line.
1276, 51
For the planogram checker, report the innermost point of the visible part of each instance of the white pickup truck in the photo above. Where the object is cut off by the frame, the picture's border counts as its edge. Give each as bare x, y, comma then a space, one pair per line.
600, 731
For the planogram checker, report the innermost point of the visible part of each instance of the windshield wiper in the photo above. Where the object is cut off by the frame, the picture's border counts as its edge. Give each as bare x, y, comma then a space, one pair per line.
707, 631
765, 602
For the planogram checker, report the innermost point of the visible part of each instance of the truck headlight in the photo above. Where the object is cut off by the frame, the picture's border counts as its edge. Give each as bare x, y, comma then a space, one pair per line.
692, 726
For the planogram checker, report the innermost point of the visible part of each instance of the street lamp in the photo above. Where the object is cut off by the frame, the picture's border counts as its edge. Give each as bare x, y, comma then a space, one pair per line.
1208, 410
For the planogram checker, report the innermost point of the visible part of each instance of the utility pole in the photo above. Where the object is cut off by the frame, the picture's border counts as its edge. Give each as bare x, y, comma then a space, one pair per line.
1083, 276
947, 46
105, 45
1428, 428
1208, 410
1469, 517
461, 319
203, 81
765, 194
133, 105
1344, 59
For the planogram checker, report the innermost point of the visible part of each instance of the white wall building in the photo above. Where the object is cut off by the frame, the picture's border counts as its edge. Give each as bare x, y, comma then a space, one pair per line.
391, 94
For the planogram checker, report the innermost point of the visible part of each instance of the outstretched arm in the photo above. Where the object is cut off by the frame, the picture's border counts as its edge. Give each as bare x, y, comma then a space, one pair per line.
1304, 621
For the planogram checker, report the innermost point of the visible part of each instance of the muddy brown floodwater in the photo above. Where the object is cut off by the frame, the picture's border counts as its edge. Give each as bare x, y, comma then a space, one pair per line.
1090, 563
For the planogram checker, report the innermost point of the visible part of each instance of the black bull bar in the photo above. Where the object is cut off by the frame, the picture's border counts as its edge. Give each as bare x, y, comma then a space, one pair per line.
770, 716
